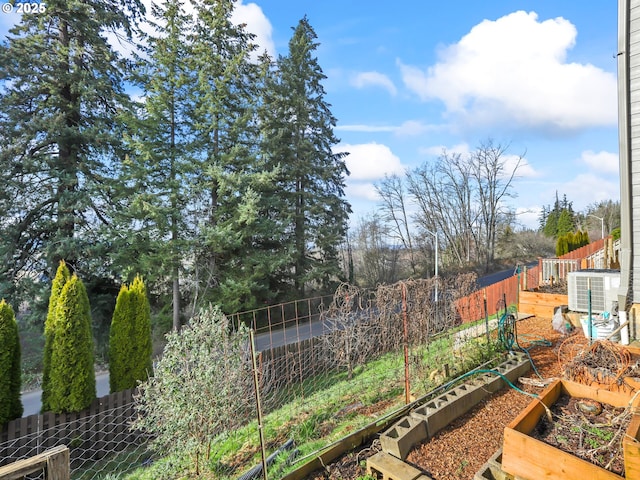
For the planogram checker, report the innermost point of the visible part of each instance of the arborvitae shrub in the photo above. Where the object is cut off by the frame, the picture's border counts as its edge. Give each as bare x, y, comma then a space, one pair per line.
72, 374
562, 246
585, 238
120, 341
142, 365
10, 375
572, 241
59, 281
130, 345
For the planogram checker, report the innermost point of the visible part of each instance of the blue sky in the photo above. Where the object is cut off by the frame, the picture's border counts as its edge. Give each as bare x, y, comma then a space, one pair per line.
409, 79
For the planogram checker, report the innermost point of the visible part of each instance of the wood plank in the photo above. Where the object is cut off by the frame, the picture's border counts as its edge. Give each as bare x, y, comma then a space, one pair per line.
631, 448
527, 457
528, 418
58, 466
524, 456
36, 464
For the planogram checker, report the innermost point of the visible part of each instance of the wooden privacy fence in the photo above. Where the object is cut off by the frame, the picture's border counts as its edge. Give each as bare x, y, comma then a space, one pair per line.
472, 307
101, 429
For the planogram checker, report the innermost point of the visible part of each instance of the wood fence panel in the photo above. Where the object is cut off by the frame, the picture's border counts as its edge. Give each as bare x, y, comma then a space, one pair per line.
541, 304
101, 428
472, 307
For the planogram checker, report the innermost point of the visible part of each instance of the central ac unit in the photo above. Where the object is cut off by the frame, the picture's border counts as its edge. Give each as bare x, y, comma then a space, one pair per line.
604, 286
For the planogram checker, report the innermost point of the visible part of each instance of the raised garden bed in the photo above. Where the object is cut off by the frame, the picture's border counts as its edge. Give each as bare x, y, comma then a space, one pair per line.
540, 304
530, 441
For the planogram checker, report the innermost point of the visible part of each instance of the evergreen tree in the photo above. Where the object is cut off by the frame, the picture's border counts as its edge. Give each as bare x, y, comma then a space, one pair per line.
59, 281
61, 92
237, 251
572, 241
565, 223
161, 159
72, 374
10, 373
130, 338
120, 341
297, 132
562, 246
550, 228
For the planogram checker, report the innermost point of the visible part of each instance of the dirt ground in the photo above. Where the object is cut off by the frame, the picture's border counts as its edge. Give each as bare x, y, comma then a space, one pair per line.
458, 451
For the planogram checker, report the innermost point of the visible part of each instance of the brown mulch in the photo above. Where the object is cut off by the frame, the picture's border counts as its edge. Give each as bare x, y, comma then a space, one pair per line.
458, 451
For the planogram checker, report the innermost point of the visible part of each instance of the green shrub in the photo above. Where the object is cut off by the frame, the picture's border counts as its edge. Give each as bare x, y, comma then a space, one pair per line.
72, 374
562, 246
201, 386
10, 375
615, 233
570, 242
59, 281
130, 338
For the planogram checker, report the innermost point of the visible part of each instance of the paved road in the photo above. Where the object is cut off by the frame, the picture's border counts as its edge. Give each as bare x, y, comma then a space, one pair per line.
291, 334
32, 401
498, 276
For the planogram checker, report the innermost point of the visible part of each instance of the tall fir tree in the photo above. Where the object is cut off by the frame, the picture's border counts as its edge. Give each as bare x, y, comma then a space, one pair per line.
61, 92
237, 252
72, 374
10, 368
160, 164
297, 133
59, 281
566, 223
130, 345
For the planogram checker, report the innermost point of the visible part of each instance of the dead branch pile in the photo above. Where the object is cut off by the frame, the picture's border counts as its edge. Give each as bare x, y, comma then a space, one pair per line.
602, 362
363, 323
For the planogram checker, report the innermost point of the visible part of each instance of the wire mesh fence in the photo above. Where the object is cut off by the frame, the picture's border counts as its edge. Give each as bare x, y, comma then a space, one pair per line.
344, 362
99, 439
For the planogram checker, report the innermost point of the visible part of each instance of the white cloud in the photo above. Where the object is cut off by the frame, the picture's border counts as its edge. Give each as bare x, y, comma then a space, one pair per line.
370, 161
513, 70
364, 191
589, 188
410, 128
604, 162
529, 217
250, 14
374, 79
413, 128
257, 23
437, 150
525, 170
366, 128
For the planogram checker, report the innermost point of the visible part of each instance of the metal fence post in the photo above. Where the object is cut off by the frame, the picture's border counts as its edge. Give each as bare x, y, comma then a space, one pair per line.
407, 384
256, 385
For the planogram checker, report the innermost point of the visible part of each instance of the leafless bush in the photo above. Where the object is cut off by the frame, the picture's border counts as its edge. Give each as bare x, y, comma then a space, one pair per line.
350, 321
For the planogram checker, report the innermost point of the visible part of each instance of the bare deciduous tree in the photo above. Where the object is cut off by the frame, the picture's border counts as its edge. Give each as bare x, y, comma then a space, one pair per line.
376, 259
443, 192
459, 198
493, 175
394, 208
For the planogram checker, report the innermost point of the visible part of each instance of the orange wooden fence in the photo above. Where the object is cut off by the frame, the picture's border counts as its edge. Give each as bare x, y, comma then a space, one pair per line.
472, 307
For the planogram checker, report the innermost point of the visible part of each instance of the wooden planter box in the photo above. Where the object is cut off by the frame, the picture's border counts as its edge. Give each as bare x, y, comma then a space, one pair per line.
526, 457
540, 304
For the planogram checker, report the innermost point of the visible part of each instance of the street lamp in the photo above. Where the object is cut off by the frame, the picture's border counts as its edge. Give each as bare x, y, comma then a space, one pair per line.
436, 237
601, 223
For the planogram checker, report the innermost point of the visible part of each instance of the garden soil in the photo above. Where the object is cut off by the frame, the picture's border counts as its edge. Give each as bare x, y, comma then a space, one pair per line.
459, 451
